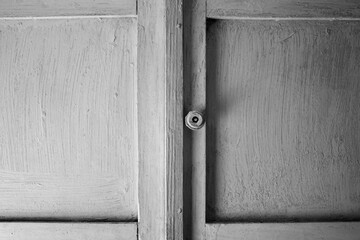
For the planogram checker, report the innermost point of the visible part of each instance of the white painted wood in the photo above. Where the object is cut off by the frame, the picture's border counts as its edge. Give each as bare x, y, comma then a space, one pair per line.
174, 119
283, 8
241, 84
151, 112
194, 99
68, 132
44, 8
285, 231
160, 119
283, 121
67, 231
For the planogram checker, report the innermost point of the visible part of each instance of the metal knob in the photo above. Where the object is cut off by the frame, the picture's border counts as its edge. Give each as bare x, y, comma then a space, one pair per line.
194, 120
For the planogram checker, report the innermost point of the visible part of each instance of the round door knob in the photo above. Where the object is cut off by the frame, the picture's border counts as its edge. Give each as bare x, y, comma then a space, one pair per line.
194, 120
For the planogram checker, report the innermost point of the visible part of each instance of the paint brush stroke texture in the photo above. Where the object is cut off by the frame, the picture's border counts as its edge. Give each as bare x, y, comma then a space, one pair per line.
283, 121
68, 118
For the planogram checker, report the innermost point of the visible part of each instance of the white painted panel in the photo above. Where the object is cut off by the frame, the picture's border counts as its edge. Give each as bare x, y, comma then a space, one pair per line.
68, 138
283, 129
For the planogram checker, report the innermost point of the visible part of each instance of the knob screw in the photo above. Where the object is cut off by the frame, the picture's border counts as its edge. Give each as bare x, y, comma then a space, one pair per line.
194, 120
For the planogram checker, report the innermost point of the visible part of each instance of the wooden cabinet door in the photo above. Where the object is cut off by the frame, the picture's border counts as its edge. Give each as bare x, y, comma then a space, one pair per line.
68, 119
82, 118
279, 155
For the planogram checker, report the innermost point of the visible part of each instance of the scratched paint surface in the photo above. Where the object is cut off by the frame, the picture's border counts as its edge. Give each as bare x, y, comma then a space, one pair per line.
283, 128
68, 118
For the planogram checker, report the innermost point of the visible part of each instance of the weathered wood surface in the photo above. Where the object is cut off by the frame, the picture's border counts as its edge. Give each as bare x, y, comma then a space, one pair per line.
279, 231
160, 119
45, 8
194, 99
283, 8
68, 147
283, 129
67, 231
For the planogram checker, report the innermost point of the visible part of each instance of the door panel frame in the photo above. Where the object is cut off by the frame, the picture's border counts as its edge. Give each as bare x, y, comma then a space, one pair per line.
50, 8
160, 121
196, 13
67, 230
194, 99
160, 114
232, 9
284, 231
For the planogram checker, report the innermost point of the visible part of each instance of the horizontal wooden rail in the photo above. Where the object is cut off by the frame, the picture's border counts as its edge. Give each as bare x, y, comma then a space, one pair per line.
283, 8
284, 231
67, 231
46, 8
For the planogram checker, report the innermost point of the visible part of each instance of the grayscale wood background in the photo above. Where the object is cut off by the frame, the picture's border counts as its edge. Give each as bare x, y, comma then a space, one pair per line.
92, 104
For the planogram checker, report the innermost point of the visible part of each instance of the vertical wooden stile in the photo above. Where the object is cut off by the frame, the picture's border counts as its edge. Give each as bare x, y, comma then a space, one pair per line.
160, 84
194, 99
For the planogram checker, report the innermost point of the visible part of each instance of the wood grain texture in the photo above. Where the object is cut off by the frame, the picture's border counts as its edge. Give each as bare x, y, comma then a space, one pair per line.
277, 231
174, 119
283, 130
283, 8
67, 231
45, 8
68, 132
194, 99
160, 119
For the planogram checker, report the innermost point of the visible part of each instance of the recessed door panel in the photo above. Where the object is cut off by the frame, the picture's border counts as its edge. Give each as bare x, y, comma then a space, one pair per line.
283, 128
68, 142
